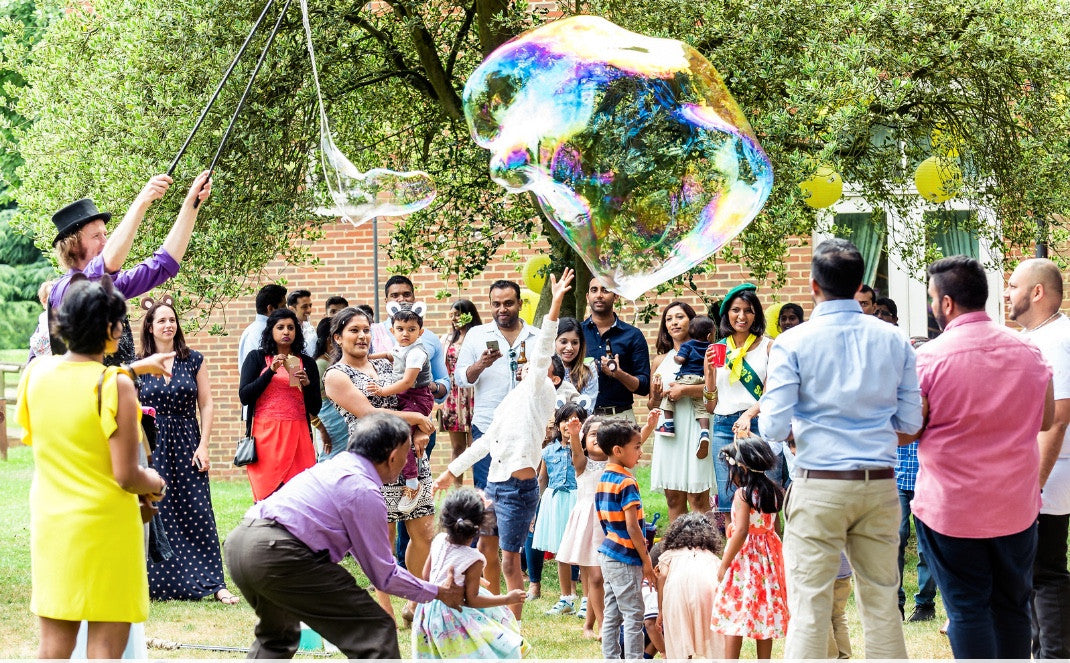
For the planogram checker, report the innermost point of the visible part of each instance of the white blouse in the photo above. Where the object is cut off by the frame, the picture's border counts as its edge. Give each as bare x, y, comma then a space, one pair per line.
732, 398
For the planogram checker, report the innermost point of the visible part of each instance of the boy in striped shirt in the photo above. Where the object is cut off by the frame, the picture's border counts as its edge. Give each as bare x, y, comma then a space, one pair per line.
623, 555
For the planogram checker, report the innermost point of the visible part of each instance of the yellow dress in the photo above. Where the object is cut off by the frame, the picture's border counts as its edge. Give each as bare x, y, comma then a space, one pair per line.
86, 537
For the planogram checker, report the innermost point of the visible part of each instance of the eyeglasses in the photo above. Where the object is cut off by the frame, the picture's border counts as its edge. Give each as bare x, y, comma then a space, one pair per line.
883, 313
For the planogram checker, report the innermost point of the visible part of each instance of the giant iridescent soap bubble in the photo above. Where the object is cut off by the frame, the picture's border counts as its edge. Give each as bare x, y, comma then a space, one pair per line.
632, 145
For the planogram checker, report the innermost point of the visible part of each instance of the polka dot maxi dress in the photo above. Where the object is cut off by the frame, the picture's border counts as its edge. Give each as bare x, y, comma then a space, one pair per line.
196, 569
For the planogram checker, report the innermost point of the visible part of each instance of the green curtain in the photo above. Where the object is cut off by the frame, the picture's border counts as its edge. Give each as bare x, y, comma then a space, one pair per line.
865, 233
951, 239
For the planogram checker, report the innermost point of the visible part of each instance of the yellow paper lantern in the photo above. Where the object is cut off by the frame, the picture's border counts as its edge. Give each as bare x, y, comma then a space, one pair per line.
772, 320
529, 301
938, 179
534, 277
823, 188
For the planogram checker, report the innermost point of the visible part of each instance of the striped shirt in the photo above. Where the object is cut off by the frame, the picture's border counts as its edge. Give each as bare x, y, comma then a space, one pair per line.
618, 491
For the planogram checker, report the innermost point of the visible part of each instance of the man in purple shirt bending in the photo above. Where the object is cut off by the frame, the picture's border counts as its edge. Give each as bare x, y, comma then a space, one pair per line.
284, 555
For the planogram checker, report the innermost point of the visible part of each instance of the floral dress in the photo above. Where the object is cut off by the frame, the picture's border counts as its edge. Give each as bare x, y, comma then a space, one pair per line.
751, 600
457, 410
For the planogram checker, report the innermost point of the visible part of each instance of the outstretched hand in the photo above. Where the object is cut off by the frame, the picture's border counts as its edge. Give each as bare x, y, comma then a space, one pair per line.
155, 188
558, 287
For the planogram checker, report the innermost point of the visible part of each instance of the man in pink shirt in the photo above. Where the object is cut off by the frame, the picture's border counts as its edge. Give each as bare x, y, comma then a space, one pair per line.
986, 393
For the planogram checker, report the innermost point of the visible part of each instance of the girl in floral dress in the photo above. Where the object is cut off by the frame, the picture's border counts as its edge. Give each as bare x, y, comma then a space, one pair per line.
483, 627
751, 599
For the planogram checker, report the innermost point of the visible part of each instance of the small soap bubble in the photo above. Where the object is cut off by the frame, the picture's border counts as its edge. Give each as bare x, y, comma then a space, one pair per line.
632, 145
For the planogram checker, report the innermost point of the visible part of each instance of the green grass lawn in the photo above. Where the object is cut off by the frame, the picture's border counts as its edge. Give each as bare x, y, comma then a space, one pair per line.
210, 623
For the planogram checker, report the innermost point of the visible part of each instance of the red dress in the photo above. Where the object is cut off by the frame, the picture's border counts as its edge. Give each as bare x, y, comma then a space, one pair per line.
751, 600
283, 442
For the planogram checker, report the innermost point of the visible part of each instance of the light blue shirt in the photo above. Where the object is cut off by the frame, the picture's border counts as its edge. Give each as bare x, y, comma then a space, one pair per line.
844, 382
250, 338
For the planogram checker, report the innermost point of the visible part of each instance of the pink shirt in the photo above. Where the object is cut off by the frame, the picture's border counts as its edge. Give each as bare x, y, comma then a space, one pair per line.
979, 475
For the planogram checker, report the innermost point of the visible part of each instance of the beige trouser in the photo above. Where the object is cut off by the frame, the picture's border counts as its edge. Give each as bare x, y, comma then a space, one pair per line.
823, 517
839, 634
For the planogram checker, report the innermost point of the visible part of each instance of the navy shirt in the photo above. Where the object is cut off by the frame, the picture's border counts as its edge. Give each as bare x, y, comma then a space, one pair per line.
693, 353
628, 343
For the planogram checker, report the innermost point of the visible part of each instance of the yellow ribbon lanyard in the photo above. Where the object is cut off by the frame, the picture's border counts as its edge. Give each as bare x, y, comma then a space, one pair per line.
736, 355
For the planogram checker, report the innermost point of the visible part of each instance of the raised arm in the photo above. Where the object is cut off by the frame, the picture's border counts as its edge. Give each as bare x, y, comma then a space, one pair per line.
117, 248
177, 240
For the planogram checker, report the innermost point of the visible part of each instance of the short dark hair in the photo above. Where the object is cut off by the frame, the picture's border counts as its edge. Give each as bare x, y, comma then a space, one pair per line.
503, 284
962, 279
272, 294
336, 299
405, 315
837, 267
376, 435
558, 366
267, 340
615, 433
90, 310
866, 290
397, 279
792, 307
364, 308
887, 303
750, 297
700, 327
291, 299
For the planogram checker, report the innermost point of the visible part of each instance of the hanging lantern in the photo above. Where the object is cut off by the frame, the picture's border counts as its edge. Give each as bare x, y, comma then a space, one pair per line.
938, 179
823, 188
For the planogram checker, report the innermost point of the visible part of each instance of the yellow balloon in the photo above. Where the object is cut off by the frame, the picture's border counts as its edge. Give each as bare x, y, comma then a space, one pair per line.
938, 179
529, 301
532, 278
772, 320
823, 188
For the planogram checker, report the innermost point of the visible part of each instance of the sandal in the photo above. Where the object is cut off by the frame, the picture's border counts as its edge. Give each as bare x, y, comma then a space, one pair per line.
226, 598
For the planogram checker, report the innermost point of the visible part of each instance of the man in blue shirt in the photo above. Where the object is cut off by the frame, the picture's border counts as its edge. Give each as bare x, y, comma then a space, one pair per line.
627, 370
845, 384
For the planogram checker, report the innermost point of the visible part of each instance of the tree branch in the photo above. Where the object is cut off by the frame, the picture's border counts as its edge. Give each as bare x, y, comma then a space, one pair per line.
434, 72
420, 82
462, 32
491, 33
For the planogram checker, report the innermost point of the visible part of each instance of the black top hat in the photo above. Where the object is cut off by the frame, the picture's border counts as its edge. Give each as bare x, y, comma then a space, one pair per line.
72, 217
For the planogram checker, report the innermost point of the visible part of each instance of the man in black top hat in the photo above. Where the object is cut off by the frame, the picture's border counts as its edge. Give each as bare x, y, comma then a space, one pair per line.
82, 244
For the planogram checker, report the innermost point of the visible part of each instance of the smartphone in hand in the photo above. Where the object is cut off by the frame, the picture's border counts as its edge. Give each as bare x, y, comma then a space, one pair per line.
492, 345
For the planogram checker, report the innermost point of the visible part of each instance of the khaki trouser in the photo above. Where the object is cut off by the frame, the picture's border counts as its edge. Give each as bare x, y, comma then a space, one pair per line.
823, 517
839, 634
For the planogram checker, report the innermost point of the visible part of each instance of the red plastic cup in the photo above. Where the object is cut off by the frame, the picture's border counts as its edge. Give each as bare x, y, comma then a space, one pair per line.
718, 354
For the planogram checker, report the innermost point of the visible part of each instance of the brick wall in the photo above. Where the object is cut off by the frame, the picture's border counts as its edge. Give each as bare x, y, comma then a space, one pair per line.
346, 254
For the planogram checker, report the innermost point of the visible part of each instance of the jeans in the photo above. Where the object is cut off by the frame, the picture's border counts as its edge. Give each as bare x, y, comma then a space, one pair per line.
926, 595
1051, 589
986, 585
481, 468
723, 437
534, 558
623, 606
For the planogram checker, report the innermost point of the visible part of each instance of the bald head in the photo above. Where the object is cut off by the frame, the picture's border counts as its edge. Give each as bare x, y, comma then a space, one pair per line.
1034, 291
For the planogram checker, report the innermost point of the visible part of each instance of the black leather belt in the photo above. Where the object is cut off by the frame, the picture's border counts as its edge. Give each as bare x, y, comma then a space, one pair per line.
611, 409
847, 475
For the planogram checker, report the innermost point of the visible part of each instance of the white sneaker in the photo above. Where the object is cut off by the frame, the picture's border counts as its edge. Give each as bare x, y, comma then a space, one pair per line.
409, 500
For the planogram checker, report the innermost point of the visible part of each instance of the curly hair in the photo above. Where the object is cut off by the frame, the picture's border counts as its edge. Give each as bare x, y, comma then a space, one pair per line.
89, 313
462, 516
693, 530
267, 340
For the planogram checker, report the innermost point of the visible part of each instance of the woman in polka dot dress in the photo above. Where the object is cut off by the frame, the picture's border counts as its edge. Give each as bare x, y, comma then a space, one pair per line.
181, 457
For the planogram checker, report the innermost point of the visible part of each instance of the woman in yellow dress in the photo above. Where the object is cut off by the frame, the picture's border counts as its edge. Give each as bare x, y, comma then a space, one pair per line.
86, 537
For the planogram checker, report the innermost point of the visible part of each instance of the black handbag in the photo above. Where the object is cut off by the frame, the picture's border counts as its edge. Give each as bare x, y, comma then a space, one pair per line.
246, 453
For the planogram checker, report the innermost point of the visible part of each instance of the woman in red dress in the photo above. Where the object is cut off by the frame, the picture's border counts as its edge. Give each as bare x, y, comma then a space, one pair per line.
280, 386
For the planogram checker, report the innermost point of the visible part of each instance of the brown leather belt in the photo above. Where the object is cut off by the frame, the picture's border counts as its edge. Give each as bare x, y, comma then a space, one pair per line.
846, 475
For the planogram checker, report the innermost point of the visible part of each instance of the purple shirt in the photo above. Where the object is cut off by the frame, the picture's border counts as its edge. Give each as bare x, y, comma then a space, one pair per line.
338, 506
979, 475
137, 280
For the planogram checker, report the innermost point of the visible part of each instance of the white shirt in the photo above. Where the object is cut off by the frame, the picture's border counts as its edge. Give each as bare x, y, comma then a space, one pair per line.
518, 427
250, 338
497, 379
1053, 340
733, 397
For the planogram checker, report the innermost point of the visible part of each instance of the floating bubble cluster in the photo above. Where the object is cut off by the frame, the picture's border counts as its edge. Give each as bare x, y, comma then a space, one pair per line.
632, 145
361, 196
